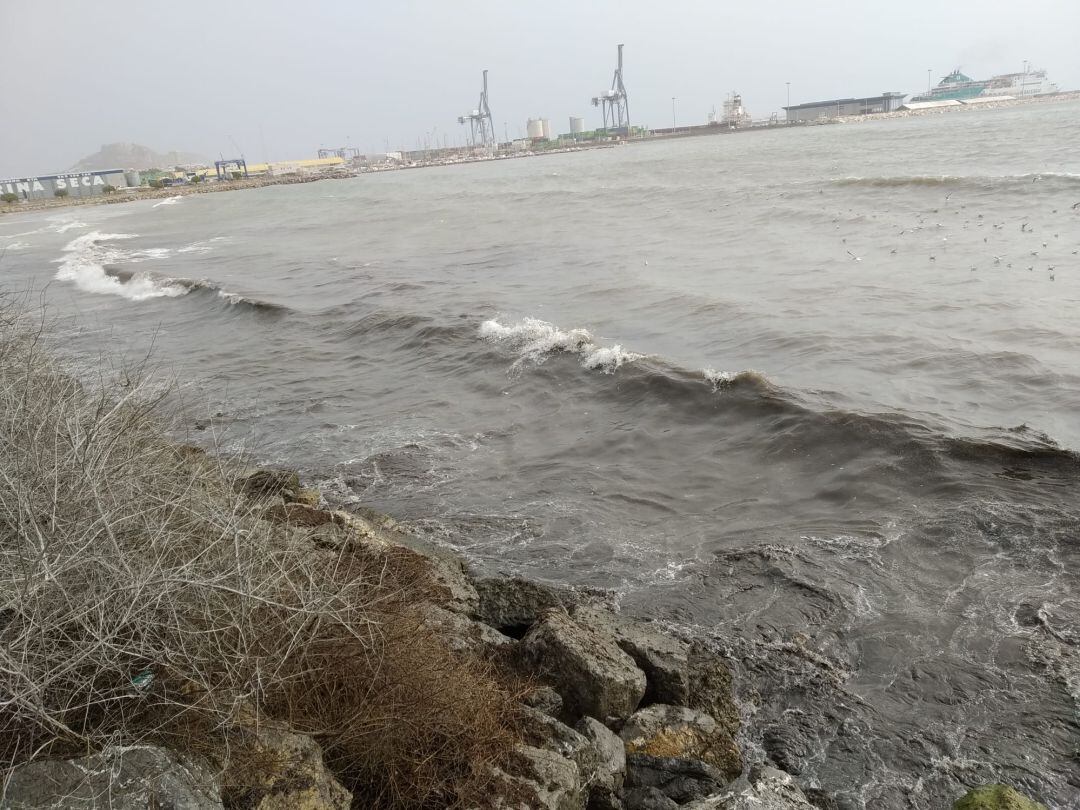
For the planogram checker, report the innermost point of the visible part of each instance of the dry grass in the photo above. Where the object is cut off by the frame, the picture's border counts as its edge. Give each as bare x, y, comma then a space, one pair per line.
142, 599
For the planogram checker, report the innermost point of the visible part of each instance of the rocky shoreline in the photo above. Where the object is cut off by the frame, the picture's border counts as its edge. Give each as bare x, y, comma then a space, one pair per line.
614, 712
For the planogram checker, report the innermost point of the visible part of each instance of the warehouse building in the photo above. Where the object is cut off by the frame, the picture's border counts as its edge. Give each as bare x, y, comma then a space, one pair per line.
76, 184
839, 107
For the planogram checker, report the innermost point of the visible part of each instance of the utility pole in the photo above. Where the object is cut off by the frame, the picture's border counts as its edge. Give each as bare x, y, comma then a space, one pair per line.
673, 115
788, 93
928, 71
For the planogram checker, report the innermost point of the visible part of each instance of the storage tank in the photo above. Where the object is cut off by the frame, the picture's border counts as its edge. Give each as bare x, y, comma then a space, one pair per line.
534, 128
545, 127
577, 125
132, 179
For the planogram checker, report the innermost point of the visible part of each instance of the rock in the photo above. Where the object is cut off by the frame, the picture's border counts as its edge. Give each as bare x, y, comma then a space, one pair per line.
267, 482
132, 778
710, 687
461, 633
661, 657
543, 731
646, 798
586, 667
765, 789
681, 780
675, 731
996, 797
547, 782
290, 774
820, 799
513, 604
543, 698
611, 771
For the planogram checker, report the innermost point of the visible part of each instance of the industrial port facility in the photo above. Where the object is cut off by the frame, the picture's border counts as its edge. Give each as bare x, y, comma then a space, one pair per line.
481, 141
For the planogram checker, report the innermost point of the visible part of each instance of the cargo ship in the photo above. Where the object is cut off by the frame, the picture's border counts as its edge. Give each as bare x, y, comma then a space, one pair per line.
956, 86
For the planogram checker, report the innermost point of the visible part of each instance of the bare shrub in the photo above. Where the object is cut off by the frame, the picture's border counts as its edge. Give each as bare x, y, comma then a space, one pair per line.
142, 598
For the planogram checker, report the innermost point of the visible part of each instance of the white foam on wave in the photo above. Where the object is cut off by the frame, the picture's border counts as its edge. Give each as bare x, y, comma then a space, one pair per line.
535, 340
84, 263
67, 225
167, 201
16, 246
204, 246
719, 379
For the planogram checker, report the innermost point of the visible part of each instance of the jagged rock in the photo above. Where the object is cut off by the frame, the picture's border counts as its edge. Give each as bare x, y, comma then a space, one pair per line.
766, 789
132, 778
267, 482
646, 798
291, 774
661, 657
680, 779
675, 731
605, 787
548, 733
792, 742
543, 698
710, 687
547, 781
509, 603
820, 799
996, 797
586, 667
462, 634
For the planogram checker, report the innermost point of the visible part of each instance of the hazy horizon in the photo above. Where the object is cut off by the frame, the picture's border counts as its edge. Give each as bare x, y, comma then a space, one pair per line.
278, 80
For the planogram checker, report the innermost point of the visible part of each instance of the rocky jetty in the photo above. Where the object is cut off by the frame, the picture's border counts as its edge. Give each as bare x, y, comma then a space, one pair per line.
613, 712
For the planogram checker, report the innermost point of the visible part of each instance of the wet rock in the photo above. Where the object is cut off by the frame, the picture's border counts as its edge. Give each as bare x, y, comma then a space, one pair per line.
792, 742
513, 604
675, 731
820, 799
543, 698
710, 687
611, 771
679, 779
586, 667
267, 482
461, 633
646, 798
766, 789
996, 797
132, 777
291, 774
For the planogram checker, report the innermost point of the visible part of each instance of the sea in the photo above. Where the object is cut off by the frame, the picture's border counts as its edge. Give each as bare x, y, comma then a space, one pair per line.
812, 393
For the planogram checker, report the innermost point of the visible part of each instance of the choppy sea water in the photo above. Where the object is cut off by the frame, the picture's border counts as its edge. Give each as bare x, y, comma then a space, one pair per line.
813, 393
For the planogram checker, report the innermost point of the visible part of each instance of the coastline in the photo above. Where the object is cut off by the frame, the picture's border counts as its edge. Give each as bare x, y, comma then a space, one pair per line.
146, 193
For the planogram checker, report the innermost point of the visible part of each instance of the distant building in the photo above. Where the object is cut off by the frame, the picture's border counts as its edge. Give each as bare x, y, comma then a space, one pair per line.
837, 108
76, 184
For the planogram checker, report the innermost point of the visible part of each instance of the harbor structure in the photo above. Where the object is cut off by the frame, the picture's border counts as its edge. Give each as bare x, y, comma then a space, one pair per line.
70, 184
840, 107
735, 114
614, 104
481, 124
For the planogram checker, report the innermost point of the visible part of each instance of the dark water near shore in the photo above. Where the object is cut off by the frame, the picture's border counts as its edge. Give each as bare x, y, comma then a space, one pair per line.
812, 392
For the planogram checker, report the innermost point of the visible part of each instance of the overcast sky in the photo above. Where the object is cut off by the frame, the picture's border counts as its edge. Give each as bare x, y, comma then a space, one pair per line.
280, 78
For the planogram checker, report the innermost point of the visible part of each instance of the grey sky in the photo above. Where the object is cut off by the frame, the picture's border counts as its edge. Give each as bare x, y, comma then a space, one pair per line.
199, 75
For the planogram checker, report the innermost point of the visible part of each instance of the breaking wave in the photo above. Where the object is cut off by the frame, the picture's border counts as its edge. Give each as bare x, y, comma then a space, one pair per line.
534, 340
90, 263
84, 265
167, 201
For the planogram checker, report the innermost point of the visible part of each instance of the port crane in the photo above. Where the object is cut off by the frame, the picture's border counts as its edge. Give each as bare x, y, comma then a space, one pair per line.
614, 104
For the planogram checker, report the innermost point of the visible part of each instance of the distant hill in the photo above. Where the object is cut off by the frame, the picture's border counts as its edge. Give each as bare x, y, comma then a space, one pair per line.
133, 156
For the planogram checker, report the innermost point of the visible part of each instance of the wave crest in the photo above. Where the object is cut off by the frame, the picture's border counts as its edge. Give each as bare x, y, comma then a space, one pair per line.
535, 340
